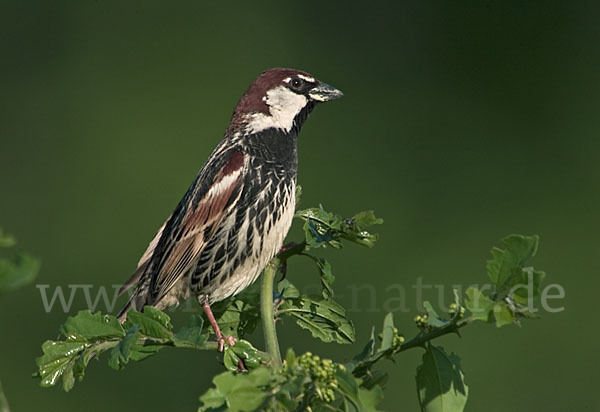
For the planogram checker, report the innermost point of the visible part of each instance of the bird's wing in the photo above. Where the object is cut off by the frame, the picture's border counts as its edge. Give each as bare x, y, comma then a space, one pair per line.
194, 222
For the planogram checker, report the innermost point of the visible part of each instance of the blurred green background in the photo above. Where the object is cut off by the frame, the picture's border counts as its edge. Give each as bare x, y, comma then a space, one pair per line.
462, 122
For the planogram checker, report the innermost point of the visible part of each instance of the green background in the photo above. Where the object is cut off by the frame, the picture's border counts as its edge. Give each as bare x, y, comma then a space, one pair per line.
462, 122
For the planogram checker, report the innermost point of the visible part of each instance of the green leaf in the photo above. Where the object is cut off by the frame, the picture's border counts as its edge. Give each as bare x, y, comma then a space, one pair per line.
503, 315
322, 228
327, 277
142, 350
526, 284
369, 349
365, 219
348, 383
211, 400
119, 355
230, 359
58, 361
440, 382
193, 335
242, 350
239, 392
325, 319
506, 264
354, 228
373, 379
369, 398
318, 229
248, 353
88, 335
433, 319
153, 322
90, 326
479, 305
17, 271
387, 336
239, 315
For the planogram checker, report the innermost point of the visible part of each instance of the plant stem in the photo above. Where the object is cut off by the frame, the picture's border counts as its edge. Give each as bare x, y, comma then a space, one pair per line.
421, 339
266, 311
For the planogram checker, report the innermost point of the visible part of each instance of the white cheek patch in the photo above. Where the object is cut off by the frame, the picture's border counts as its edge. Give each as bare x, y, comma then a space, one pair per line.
284, 105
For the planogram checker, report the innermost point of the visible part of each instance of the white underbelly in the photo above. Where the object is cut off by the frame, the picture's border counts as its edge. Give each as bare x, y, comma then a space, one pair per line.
254, 264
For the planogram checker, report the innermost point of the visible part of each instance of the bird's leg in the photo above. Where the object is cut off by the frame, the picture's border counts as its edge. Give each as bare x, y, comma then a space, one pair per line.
286, 247
283, 268
219, 335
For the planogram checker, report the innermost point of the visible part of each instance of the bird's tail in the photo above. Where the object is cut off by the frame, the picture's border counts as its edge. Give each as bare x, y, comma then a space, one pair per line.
122, 316
137, 301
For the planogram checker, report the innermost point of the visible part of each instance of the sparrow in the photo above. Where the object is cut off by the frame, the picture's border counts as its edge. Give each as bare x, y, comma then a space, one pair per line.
234, 217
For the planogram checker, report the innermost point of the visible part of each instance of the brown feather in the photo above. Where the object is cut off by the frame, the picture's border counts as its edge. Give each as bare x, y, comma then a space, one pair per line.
208, 213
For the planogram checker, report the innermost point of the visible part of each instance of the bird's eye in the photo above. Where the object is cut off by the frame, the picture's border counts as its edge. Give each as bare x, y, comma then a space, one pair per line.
296, 83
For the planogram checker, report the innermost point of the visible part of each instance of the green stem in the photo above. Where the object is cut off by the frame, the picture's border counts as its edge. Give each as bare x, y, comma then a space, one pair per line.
266, 311
420, 340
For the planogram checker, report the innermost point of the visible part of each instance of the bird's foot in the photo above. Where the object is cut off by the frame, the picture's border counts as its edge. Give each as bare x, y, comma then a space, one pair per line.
230, 340
221, 340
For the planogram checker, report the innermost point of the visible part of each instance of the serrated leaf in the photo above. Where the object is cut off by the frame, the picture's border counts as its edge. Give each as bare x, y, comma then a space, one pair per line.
507, 263
479, 305
211, 400
503, 315
140, 352
119, 356
365, 219
440, 382
318, 235
241, 392
57, 359
239, 315
193, 335
17, 272
325, 319
526, 284
327, 277
369, 398
152, 322
322, 228
92, 326
354, 229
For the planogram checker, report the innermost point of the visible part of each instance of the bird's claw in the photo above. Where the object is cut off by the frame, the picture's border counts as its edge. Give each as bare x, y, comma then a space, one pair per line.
221, 340
230, 340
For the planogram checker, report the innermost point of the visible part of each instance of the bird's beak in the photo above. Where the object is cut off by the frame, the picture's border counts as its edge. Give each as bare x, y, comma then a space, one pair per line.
324, 92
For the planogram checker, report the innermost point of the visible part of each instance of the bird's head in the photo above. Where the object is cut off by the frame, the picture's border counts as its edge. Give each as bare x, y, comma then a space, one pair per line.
280, 99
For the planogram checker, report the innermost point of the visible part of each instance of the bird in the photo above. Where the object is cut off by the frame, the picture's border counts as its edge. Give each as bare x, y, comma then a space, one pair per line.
235, 215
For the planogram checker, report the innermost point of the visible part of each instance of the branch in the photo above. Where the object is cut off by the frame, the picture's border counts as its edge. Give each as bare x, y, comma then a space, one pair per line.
421, 339
266, 310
